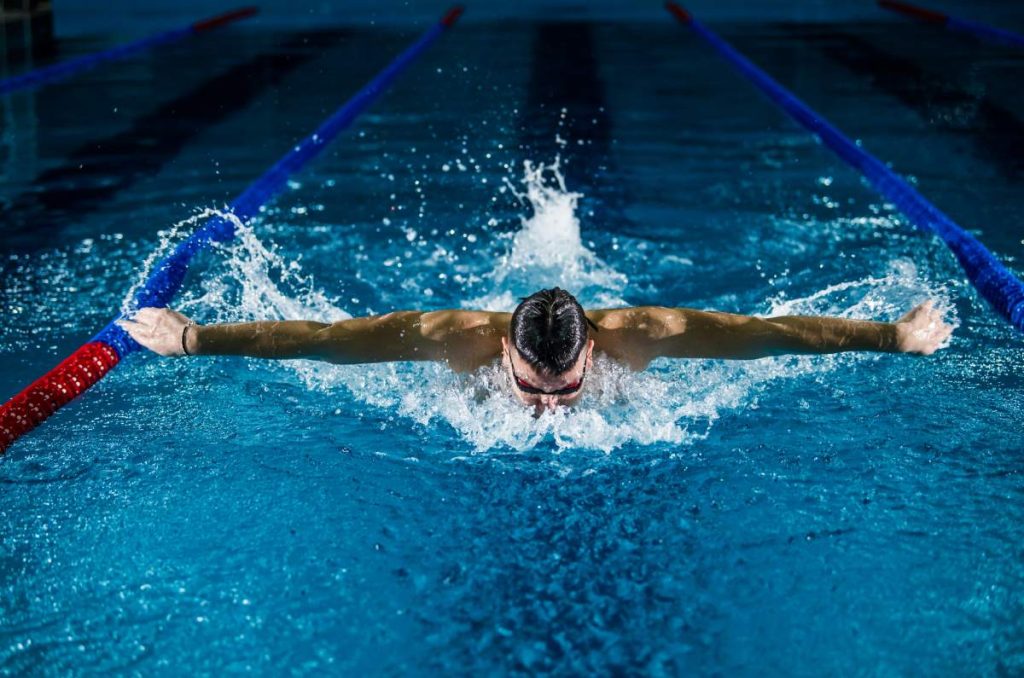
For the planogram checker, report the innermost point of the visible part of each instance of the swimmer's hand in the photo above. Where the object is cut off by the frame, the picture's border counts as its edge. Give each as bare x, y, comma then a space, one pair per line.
160, 330
922, 330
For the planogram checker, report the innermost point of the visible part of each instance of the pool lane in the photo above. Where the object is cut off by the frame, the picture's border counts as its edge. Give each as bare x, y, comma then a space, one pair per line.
565, 113
954, 23
994, 281
91, 362
807, 520
996, 132
950, 167
98, 170
565, 98
66, 69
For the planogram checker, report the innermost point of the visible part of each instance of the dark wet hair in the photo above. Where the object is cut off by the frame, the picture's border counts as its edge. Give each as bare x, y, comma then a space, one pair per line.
549, 329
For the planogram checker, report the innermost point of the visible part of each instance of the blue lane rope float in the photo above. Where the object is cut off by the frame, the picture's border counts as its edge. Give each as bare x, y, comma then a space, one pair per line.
65, 69
1003, 290
92, 361
954, 23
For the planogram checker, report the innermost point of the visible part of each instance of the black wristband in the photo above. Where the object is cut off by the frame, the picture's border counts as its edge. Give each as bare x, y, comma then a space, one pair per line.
184, 334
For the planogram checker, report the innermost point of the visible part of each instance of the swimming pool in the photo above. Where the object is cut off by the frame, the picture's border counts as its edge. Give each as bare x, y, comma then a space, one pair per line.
790, 516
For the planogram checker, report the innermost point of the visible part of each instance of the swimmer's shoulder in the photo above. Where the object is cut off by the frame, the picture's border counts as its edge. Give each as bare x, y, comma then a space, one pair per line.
470, 339
628, 334
446, 323
649, 320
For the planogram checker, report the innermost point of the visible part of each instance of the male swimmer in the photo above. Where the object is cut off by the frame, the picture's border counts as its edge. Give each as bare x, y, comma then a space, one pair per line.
546, 344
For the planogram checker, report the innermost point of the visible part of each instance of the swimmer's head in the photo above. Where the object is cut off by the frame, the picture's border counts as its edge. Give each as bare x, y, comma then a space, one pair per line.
548, 349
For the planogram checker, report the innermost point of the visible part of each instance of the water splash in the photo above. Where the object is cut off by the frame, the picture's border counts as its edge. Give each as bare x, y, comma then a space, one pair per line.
168, 240
249, 280
548, 248
674, 402
259, 283
888, 296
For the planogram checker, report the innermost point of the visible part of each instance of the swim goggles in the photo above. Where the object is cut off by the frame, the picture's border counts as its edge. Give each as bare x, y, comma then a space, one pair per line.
525, 387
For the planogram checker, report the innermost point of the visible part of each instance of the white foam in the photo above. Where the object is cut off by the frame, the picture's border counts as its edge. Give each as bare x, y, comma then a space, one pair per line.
548, 249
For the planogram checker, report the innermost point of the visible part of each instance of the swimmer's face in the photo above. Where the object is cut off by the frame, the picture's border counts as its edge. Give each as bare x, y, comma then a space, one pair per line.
518, 369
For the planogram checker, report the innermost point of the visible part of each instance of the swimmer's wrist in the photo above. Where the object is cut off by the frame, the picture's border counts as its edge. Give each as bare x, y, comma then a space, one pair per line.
894, 338
190, 340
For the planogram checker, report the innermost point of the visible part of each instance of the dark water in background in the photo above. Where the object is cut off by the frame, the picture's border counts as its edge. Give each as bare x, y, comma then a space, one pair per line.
822, 515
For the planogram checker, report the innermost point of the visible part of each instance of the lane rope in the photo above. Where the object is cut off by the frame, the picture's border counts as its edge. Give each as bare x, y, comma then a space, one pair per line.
65, 69
88, 364
1001, 288
954, 23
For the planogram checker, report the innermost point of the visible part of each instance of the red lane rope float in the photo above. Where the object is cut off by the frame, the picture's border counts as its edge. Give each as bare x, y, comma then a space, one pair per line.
452, 15
72, 377
955, 23
678, 12
921, 13
225, 18
65, 69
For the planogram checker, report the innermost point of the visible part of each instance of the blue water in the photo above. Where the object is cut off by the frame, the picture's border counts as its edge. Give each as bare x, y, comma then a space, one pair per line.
796, 516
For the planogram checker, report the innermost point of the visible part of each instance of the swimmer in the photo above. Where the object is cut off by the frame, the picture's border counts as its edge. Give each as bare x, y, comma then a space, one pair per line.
546, 344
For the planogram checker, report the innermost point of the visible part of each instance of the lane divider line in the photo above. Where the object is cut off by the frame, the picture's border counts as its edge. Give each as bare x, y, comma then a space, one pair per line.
1000, 287
65, 69
954, 23
88, 364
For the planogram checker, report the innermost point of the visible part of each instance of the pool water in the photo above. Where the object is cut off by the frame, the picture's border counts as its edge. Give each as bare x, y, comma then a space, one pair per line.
794, 516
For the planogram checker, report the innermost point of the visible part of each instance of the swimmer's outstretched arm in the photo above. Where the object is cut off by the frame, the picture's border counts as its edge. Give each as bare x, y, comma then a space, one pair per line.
462, 338
641, 334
